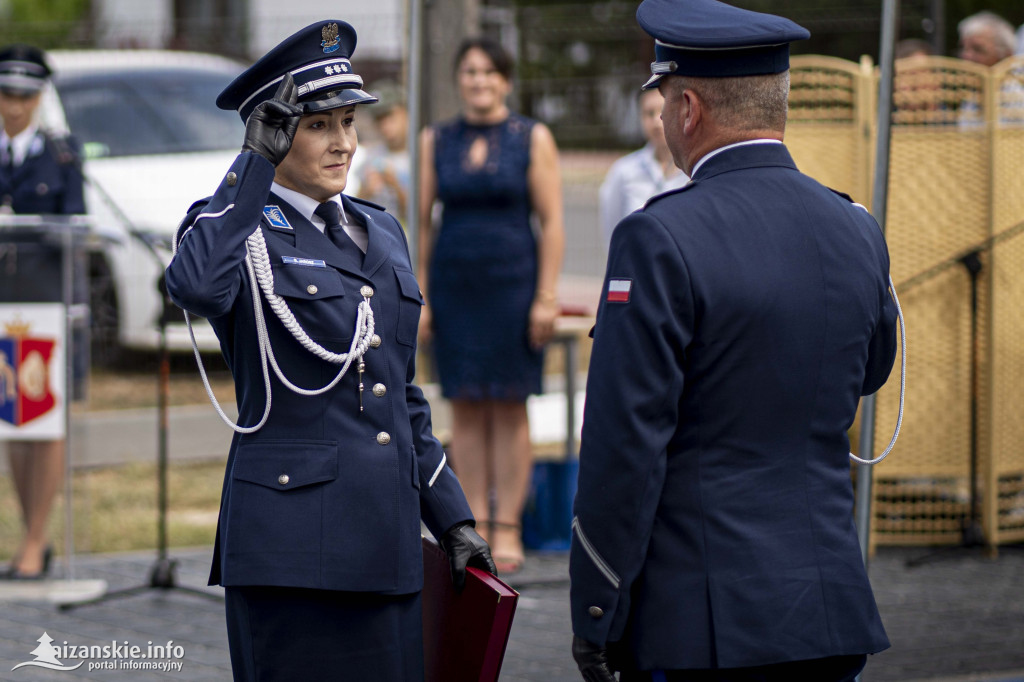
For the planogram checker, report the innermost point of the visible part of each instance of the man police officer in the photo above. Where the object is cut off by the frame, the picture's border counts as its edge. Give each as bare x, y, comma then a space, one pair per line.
741, 319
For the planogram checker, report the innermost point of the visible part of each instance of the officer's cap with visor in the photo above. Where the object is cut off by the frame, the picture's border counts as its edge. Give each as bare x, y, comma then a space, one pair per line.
317, 57
23, 70
709, 39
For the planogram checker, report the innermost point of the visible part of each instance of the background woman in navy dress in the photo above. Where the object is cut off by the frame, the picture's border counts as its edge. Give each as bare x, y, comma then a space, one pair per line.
489, 278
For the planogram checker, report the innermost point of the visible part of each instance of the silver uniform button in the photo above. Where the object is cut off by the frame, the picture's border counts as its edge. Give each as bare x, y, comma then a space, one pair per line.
231, 179
374, 341
283, 479
366, 292
595, 611
311, 289
383, 437
379, 390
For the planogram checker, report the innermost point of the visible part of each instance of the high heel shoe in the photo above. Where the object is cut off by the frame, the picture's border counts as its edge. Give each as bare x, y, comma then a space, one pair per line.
47, 557
506, 547
16, 574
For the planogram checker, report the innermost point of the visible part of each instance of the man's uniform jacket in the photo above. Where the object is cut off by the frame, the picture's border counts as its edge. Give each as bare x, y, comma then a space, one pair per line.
323, 496
714, 518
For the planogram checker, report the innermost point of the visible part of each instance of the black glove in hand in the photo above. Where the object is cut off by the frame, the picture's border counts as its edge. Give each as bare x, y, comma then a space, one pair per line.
271, 126
465, 547
592, 661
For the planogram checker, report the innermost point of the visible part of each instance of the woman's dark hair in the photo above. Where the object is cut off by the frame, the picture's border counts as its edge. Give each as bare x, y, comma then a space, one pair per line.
498, 55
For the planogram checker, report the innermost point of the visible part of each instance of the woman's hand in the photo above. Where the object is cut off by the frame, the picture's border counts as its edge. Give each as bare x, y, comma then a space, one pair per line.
543, 314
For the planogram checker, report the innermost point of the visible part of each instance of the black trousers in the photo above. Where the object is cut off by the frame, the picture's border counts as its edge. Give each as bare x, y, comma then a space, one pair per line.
831, 669
288, 634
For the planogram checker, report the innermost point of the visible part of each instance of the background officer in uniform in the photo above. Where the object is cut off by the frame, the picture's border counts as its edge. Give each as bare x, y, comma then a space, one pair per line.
742, 318
318, 544
40, 173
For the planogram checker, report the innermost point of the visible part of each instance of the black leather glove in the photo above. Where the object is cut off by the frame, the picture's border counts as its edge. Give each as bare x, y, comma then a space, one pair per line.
465, 547
592, 661
271, 126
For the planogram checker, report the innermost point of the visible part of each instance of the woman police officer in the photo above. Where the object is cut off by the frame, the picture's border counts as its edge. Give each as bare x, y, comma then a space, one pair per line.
318, 543
40, 173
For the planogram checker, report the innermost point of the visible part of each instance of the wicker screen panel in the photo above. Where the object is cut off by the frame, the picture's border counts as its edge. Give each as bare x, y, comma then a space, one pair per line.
955, 191
824, 130
938, 210
1004, 512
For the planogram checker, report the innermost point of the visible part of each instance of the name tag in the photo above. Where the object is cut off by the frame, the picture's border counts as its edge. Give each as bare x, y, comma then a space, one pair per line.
307, 262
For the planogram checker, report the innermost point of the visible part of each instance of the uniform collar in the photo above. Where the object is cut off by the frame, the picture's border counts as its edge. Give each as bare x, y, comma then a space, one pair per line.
23, 144
742, 155
727, 147
306, 205
310, 239
379, 245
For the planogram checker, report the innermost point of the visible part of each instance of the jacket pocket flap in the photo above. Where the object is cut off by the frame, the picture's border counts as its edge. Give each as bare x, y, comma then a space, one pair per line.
285, 465
306, 282
408, 284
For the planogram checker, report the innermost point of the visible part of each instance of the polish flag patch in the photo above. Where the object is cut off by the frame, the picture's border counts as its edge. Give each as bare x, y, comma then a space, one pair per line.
618, 290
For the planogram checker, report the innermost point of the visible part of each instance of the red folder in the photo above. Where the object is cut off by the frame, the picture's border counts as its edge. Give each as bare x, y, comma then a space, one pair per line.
464, 634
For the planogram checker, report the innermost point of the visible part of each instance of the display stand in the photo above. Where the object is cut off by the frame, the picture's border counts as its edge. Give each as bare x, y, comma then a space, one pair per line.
39, 236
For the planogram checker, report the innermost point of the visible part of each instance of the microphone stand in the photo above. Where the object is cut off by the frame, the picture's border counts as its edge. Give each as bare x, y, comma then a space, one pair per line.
971, 533
163, 574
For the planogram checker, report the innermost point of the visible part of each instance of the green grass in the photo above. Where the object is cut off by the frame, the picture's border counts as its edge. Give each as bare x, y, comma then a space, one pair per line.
115, 508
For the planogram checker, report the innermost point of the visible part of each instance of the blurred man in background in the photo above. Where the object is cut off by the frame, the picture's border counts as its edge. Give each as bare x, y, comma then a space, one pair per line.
383, 172
638, 176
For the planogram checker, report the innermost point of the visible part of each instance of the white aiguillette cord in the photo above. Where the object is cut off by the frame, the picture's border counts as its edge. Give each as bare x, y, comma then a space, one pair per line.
903, 383
257, 263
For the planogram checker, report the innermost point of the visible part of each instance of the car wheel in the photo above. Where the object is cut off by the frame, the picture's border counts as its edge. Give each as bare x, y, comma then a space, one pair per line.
104, 314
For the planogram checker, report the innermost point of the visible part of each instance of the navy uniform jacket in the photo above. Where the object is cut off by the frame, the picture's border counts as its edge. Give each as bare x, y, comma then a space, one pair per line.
322, 496
714, 516
49, 180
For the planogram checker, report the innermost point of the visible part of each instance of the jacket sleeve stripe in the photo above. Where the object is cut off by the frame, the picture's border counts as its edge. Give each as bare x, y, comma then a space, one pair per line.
598, 560
437, 472
214, 215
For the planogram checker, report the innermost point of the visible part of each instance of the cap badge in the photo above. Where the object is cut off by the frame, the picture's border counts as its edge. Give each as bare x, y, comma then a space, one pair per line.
330, 40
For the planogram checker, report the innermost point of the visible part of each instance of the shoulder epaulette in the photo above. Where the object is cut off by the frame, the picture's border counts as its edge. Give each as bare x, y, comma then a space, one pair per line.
669, 193
843, 195
61, 147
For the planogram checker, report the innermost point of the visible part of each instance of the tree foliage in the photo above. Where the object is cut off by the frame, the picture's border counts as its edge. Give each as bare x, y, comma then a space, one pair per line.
45, 23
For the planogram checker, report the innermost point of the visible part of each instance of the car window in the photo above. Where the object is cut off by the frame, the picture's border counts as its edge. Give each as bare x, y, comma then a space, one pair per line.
148, 112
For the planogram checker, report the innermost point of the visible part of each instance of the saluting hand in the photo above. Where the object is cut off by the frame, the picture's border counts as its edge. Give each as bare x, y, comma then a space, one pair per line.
272, 124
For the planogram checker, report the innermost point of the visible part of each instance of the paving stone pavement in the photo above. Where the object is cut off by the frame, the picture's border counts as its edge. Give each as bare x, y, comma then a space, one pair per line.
959, 618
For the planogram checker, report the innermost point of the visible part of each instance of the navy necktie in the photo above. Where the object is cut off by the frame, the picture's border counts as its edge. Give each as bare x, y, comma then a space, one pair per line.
330, 213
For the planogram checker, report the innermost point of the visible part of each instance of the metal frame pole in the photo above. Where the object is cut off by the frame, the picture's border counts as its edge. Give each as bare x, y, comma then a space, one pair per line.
879, 197
415, 75
67, 294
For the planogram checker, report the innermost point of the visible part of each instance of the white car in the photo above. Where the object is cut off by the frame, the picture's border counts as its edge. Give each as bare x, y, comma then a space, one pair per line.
154, 142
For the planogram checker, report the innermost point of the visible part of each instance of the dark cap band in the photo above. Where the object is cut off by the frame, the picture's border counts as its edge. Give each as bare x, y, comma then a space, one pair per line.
23, 69
709, 39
